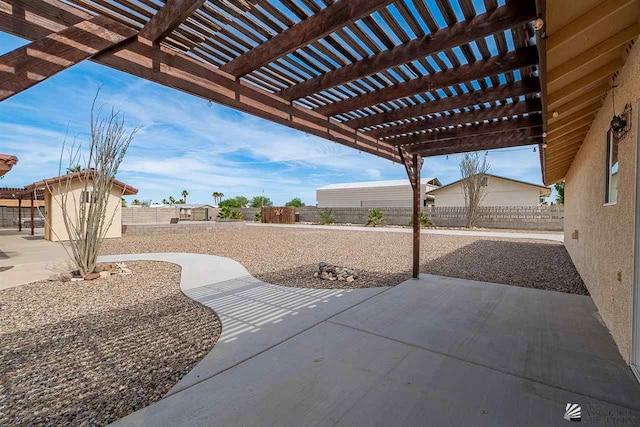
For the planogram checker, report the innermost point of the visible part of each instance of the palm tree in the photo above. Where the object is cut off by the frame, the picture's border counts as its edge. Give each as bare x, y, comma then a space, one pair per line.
135, 202
185, 193
217, 197
172, 201
72, 169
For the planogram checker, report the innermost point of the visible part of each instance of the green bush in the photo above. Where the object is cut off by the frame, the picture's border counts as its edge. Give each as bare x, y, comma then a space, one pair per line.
425, 221
326, 217
376, 218
258, 216
295, 202
229, 213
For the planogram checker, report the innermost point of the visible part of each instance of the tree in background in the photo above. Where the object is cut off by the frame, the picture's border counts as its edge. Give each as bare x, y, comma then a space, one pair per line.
260, 201
135, 202
123, 202
473, 168
234, 202
184, 193
295, 202
559, 187
172, 201
217, 197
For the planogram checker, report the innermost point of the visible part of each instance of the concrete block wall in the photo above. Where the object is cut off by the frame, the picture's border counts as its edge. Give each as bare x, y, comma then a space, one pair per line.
548, 218
7, 215
144, 215
180, 228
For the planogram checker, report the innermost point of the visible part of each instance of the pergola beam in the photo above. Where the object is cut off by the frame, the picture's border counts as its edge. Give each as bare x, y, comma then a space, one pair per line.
449, 136
180, 72
508, 90
487, 142
473, 116
589, 110
29, 65
511, 15
168, 18
497, 64
315, 27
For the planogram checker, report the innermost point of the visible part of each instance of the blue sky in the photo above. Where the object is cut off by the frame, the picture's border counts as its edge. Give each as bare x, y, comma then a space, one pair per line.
184, 143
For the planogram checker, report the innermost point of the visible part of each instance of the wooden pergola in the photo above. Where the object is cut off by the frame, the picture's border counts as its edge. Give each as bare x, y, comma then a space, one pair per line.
394, 78
21, 194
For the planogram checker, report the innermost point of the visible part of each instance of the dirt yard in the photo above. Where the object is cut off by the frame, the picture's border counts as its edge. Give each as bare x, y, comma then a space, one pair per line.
289, 256
89, 353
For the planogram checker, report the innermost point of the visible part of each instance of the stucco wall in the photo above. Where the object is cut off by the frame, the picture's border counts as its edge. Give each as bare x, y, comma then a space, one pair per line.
499, 192
604, 248
53, 211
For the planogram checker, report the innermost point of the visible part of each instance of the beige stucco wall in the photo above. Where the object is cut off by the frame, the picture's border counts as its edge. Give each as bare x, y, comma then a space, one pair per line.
499, 192
55, 220
378, 197
604, 247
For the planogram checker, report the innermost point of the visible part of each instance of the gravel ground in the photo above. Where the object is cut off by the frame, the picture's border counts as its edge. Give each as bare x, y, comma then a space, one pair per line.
289, 256
89, 353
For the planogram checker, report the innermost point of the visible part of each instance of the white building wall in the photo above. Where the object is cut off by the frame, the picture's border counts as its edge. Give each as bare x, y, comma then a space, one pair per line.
373, 197
499, 192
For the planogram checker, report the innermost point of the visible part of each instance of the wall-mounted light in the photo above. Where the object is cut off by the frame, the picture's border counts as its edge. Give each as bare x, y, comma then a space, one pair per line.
538, 24
544, 145
555, 114
544, 134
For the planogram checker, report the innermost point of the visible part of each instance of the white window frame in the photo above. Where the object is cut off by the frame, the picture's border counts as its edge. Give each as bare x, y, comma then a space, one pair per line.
608, 176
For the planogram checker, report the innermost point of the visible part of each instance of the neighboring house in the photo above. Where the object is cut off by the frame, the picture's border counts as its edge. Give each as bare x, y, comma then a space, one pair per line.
197, 212
374, 194
54, 188
6, 163
499, 191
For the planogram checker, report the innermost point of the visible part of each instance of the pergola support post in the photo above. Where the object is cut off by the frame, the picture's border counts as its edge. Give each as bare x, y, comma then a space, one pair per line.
416, 215
20, 213
32, 219
413, 167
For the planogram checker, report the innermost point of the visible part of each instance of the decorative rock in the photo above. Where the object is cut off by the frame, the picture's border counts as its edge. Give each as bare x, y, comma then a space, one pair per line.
92, 276
330, 272
77, 279
105, 273
54, 277
65, 277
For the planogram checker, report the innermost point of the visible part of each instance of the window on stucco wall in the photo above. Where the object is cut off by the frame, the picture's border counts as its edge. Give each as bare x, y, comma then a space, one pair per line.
612, 165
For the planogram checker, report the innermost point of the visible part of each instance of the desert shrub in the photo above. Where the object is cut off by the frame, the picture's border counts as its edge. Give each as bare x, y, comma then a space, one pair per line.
326, 217
424, 219
376, 218
229, 213
258, 216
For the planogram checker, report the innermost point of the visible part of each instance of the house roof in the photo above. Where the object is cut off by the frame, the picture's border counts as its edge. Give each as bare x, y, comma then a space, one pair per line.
377, 184
541, 187
7, 161
193, 206
127, 190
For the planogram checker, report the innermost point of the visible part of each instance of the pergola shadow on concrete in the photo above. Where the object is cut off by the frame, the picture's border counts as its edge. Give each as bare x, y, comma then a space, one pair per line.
397, 79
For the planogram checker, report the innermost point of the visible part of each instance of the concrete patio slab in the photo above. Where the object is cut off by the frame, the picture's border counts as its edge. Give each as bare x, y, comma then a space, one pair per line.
556, 237
255, 315
31, 258
411, 355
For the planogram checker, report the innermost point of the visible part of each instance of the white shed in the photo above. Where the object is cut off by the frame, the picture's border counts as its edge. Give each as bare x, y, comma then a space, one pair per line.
500, 191
374, 194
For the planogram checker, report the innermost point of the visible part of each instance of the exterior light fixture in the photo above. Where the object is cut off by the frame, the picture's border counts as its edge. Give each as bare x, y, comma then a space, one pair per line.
544, 134
544, 145
538, 24
555, 114
619, 125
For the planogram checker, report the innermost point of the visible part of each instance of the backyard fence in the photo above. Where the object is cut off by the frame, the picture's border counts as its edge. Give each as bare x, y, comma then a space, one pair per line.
279, 215
549, 218
9, 215
144, 215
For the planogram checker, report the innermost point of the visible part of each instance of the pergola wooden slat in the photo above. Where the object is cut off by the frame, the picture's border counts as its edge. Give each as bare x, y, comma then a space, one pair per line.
387, 77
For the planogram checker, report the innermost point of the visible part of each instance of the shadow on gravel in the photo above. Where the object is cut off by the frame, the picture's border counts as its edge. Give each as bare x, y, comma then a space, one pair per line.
95, 369
527, 264
302, 277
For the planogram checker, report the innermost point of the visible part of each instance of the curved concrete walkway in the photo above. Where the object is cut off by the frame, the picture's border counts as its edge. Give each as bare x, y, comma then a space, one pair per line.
255, 315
